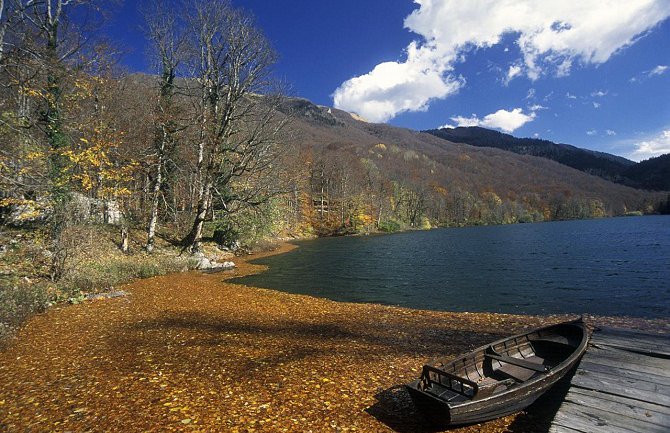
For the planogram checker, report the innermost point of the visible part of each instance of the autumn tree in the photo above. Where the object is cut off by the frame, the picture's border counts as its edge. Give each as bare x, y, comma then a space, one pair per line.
166, 34
239, 125
42, 47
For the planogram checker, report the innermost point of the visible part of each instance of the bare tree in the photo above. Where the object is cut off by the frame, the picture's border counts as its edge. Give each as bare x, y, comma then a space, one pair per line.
239, 122
164, 31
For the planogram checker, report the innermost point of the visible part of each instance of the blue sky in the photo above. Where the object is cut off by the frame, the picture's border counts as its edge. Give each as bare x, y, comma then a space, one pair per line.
593, 73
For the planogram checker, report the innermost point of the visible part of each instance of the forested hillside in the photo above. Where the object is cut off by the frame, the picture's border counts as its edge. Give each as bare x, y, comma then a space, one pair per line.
653, 173
392, 176
646, 175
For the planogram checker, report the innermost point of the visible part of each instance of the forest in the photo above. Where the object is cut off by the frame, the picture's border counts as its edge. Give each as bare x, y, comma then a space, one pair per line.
211, 146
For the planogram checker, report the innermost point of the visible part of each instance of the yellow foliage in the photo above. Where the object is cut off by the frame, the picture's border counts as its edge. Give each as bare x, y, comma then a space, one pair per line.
440, 190
16, 202
93, 164
31, 156
364, 218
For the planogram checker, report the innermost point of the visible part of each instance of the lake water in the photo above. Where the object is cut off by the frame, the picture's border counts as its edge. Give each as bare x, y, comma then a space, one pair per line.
616, 266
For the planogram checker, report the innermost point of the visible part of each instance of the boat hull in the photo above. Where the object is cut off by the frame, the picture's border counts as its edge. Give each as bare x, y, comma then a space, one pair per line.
513, 400
479, 411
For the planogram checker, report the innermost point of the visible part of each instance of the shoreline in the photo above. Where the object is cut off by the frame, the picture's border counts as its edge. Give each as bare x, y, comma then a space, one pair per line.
193, 352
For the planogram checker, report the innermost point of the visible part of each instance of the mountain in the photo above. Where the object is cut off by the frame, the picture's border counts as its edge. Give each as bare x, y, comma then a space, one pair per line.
654, 173
397, 173
607, 166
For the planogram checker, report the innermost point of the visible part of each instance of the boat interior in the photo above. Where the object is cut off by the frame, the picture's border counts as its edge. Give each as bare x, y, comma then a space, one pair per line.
500, 366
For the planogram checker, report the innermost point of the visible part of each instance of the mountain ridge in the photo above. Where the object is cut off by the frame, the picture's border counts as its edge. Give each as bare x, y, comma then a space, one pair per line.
610, 167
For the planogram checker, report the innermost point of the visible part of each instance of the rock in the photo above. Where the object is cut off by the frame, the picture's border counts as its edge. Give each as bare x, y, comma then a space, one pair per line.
222, 266
214, 266
203, 263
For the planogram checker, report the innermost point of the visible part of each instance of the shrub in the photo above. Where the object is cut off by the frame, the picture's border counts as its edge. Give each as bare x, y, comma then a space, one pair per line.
390, 226
19, 300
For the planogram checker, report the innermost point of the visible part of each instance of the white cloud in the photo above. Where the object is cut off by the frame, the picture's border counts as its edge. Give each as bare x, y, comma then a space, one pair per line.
530, 94
513, 72
591, 132
507, 121
551, 37
655, 146
537, 107
570, 96
610, 132
599, 93
658, 70
596, 104
643, 76
392, 87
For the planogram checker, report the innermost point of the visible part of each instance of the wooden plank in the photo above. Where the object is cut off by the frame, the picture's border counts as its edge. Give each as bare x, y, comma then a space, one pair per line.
613, 361
631, 334
622, 400
555, 428
624, 382
623, 356
618, 387
659, 348
573, 418
518, 362
644, 391
627, 409
630, 345
624, 371
597, 420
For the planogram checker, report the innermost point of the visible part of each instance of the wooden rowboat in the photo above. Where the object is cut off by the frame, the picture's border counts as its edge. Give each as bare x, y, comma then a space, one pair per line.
500, 378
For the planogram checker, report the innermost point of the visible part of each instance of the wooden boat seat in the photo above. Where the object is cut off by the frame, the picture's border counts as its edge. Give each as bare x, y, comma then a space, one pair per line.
519, 362
517, 373
519, 369
490, 386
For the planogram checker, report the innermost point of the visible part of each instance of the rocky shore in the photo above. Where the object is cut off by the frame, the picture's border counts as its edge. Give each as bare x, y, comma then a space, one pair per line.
192, 352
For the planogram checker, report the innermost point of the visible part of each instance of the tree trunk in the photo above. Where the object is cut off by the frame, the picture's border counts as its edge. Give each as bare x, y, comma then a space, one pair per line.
194, 238
124, 239
151, 229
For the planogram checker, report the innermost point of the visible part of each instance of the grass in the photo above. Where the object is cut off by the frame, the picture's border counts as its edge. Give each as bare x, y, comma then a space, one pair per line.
102, 274
18, 301
96, 265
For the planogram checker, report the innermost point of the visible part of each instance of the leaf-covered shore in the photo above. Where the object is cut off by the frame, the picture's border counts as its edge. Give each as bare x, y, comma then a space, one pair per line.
192, 352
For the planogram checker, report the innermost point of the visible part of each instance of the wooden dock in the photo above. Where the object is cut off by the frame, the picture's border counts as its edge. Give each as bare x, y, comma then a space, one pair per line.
622, 384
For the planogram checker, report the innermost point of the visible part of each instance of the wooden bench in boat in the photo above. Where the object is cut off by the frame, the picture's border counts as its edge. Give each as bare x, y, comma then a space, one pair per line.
523, 363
